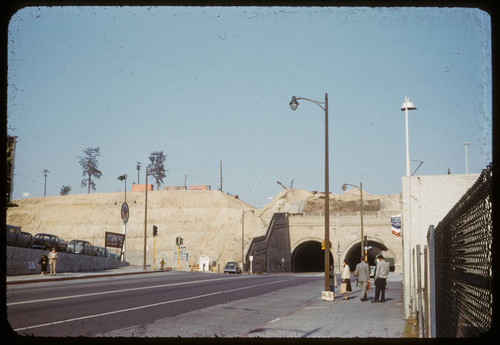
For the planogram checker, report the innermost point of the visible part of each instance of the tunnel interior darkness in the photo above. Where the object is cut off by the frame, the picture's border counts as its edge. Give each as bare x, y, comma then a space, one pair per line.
309, 257
353, 256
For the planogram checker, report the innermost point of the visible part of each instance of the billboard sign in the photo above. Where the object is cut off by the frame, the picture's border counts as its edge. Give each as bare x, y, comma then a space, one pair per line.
114, 240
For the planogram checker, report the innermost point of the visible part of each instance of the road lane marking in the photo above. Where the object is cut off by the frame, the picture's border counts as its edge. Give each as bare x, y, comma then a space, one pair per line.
243, 335
116, 291
148, 306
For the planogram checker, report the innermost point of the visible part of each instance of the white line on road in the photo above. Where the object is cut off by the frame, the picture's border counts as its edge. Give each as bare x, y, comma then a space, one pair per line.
116, 291
147, 306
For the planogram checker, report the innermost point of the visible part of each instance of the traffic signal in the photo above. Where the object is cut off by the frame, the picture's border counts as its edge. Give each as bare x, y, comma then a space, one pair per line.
155, 230
181, 241
323, 245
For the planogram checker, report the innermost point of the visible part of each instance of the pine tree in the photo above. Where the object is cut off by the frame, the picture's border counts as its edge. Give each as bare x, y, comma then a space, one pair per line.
90, 167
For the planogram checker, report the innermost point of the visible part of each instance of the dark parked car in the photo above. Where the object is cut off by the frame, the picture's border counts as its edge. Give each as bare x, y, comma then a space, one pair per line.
48, 241
80, 247
232, 267
100, 251
18, 238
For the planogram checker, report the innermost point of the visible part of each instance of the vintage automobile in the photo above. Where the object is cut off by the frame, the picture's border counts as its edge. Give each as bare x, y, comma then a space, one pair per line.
80, 247
48, 241
232, 267
100, 251
18, 238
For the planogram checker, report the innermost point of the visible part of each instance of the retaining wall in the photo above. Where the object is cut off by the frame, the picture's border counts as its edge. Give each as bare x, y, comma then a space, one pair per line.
24, 261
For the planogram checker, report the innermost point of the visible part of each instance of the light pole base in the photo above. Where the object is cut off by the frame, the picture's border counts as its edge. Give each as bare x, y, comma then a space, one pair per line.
327, 295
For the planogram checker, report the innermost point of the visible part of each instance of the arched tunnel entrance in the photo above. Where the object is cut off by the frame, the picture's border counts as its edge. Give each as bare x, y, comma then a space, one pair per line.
353, 256
309, 257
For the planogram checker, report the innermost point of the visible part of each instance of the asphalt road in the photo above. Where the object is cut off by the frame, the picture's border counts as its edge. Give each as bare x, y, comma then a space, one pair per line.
123, 306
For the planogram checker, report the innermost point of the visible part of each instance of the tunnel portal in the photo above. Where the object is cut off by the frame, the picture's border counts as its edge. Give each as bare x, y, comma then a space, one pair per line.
353, 256
309, 257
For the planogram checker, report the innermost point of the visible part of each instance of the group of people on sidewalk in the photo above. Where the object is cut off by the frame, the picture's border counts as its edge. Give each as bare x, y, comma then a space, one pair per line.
362, 272
51, 261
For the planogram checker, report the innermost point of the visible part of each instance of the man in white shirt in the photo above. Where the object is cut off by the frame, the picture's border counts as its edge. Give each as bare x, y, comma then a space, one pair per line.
381, 274
52, 261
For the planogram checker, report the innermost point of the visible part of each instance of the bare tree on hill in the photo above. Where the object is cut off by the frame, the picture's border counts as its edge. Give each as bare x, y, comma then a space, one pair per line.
90, 166
156, 168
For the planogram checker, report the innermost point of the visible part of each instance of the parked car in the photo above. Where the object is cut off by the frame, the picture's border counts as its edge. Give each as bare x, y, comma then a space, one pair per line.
114, 256
80, 247
48, 241
232, 267
100, 251
18, 238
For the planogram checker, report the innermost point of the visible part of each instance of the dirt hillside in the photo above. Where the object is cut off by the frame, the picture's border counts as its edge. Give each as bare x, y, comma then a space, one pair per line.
210, 222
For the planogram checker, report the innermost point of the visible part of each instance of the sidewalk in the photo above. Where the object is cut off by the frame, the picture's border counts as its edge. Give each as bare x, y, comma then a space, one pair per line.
36, 278
343, 319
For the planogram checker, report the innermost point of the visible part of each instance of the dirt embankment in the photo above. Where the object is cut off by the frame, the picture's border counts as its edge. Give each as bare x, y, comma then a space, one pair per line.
210, 222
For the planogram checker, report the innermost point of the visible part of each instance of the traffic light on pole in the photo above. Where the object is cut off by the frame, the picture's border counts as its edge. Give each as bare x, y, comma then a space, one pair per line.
155, 230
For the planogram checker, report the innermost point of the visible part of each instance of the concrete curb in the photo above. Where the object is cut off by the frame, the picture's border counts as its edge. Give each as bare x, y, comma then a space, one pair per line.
39, 280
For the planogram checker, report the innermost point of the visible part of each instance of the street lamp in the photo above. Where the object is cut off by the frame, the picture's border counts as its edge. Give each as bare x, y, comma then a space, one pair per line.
407, 105
145, 218
124, 213
360, 188
293, 105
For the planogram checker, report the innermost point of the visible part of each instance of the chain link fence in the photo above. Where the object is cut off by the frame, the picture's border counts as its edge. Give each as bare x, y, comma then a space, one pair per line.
461, 265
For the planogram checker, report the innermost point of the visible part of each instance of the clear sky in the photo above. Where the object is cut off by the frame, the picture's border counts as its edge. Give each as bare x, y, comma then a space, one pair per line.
206, 84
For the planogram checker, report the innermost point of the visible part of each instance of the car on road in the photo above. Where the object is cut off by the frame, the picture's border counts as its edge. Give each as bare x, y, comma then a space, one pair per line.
232, 267
48, 241
80, 247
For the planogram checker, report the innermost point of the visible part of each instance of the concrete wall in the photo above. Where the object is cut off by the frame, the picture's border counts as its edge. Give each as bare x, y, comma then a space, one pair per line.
432, 197
24, 261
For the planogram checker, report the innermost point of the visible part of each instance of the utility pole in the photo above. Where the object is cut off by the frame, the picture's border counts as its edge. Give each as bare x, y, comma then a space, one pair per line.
221, 175
466, 159
45, 171
145, 219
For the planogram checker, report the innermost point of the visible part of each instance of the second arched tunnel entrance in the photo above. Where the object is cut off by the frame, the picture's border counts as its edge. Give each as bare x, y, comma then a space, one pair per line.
309, 257
353, 256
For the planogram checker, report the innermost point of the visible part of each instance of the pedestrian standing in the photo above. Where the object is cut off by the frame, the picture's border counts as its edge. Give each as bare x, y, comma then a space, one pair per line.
362, 271
333, 280
346, 281
381, 274
43, 263
52, 261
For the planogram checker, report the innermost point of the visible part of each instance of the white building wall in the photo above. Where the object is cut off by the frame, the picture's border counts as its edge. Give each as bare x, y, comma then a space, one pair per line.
432, 197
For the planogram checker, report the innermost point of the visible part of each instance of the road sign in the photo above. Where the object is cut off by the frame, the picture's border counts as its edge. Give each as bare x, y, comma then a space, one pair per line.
125, 213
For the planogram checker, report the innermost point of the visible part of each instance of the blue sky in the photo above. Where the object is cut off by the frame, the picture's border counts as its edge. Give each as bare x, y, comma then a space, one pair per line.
206, 84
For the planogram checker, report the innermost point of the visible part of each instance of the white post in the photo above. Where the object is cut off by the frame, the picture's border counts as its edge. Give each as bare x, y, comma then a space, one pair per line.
407, 143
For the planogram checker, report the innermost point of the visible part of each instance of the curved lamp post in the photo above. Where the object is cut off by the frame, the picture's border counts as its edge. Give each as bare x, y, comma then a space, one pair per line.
124, 214
360, 188
293, 105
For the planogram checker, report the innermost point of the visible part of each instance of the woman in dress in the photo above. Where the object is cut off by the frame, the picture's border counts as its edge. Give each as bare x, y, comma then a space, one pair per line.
44, 261
346, 278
